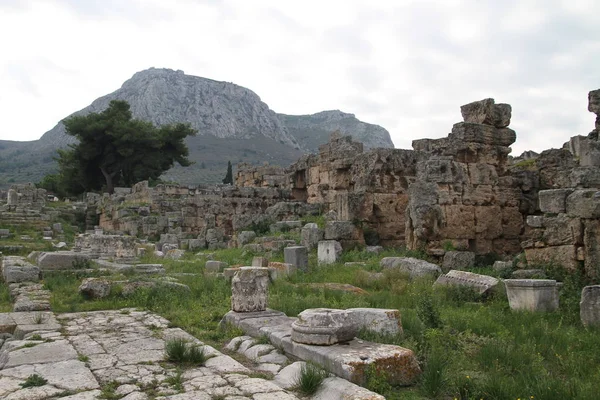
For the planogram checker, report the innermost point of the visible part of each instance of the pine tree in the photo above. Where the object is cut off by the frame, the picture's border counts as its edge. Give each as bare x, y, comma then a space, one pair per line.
229, 176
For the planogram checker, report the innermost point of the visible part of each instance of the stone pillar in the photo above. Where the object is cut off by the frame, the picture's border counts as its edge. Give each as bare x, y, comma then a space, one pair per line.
590, 306
249, 288
532, 294
12, 198
329, 251
297, 256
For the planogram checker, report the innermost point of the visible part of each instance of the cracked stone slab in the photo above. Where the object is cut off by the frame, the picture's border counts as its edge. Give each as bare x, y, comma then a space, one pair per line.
42, 353
65, 375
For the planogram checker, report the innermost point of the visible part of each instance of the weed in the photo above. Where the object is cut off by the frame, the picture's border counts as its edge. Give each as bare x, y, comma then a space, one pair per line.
109, 391
310, 378
428, 312
28, 345
376, 380
38, 318
83, 358
263, 339
33, 381
176, 381
81, 263
36, 336
434, 379
180, 351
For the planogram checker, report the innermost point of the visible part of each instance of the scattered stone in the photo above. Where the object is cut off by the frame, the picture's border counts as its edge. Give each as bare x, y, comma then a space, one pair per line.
260, 262
17, 269
590, 306
95, 288
213, 266
414, 267
280, 270
311, 235
297, 256
532, 294
458, 260
334, 388
329, 251
502, 266
249, 288
175, 254
483, 284
323, 326
374, 249
60, 260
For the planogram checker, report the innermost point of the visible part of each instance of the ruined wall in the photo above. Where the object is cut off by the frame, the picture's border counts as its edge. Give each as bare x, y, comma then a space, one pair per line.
565, 227
464, 197
261, 176
209, 215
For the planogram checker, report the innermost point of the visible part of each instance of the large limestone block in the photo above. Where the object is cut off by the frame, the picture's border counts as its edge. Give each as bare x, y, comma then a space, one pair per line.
249, 289
484, 134
95, 288
512, 222
297, 256
213, 266
17, 269
487, 112
329, 251
584, 203
589, 307
377, 320
553, 200
565, 256
324, 327
311, 235
60, 260
591, 249
488, 222
341, 230
532, 294
334, 388
562, 230
458, 260
414, 267
460, 221
483, 284
246, 237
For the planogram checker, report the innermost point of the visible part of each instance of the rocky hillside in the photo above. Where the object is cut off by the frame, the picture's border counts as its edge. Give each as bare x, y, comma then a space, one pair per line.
232, 122
313, 130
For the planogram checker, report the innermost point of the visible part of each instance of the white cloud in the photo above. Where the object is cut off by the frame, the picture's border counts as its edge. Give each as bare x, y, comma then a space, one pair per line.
406, 65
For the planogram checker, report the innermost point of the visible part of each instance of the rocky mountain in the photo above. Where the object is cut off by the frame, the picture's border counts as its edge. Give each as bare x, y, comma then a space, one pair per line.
313, 130
232, 122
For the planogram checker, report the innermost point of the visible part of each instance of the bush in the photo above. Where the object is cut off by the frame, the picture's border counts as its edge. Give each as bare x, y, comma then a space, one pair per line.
428, 312
311, 377
178, 350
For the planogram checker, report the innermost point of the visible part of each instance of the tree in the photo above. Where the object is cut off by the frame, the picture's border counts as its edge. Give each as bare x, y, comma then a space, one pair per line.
229, 176
115, 149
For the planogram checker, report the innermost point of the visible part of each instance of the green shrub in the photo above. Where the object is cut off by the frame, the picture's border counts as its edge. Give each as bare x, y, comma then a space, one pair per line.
178, 350
310, 379
428, 312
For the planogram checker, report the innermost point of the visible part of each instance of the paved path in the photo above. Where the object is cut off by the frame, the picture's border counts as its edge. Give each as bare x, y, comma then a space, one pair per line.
118, 352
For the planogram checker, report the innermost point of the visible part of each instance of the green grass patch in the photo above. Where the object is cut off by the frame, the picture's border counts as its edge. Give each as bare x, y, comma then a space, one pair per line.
310, 379
33, 381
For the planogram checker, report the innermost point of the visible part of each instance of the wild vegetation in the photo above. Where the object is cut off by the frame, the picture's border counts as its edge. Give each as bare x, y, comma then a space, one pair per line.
468, 348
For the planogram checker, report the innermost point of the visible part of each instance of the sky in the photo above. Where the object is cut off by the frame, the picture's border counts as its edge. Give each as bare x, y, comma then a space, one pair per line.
405, 65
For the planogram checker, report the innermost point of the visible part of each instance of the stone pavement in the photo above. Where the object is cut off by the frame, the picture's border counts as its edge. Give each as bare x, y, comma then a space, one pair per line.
120, 353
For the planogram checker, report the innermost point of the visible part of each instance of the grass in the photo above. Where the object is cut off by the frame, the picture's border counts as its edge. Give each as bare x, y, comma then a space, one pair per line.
180, 351
33, 381
468, 347
310, 379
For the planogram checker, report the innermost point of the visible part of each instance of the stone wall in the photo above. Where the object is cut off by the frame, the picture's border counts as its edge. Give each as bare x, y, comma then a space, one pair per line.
464, 197
204, 215
261, 176
565, 227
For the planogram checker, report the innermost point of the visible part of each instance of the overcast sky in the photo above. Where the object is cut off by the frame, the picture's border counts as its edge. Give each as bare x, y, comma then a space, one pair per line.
405, 65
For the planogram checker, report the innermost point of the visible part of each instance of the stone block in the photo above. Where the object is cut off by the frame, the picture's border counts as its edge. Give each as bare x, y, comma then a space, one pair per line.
329, 251
174, 254
483, 134
341, 230
285, 226
584, 203
95, 288
589, 307
229, 273
458, 260
245, 237
591, 249
196, 244
60, 260
338, 388
310, 235
17, 269
594, 101
414, 267
324, 327
528, 274
377, 320
483, 284
565, 256
213, 266
535, 221
553, 200
4, 233
249, 289
487, 112
297, 256
260, 262
502, 266
532, 294
562, 230
279, 270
